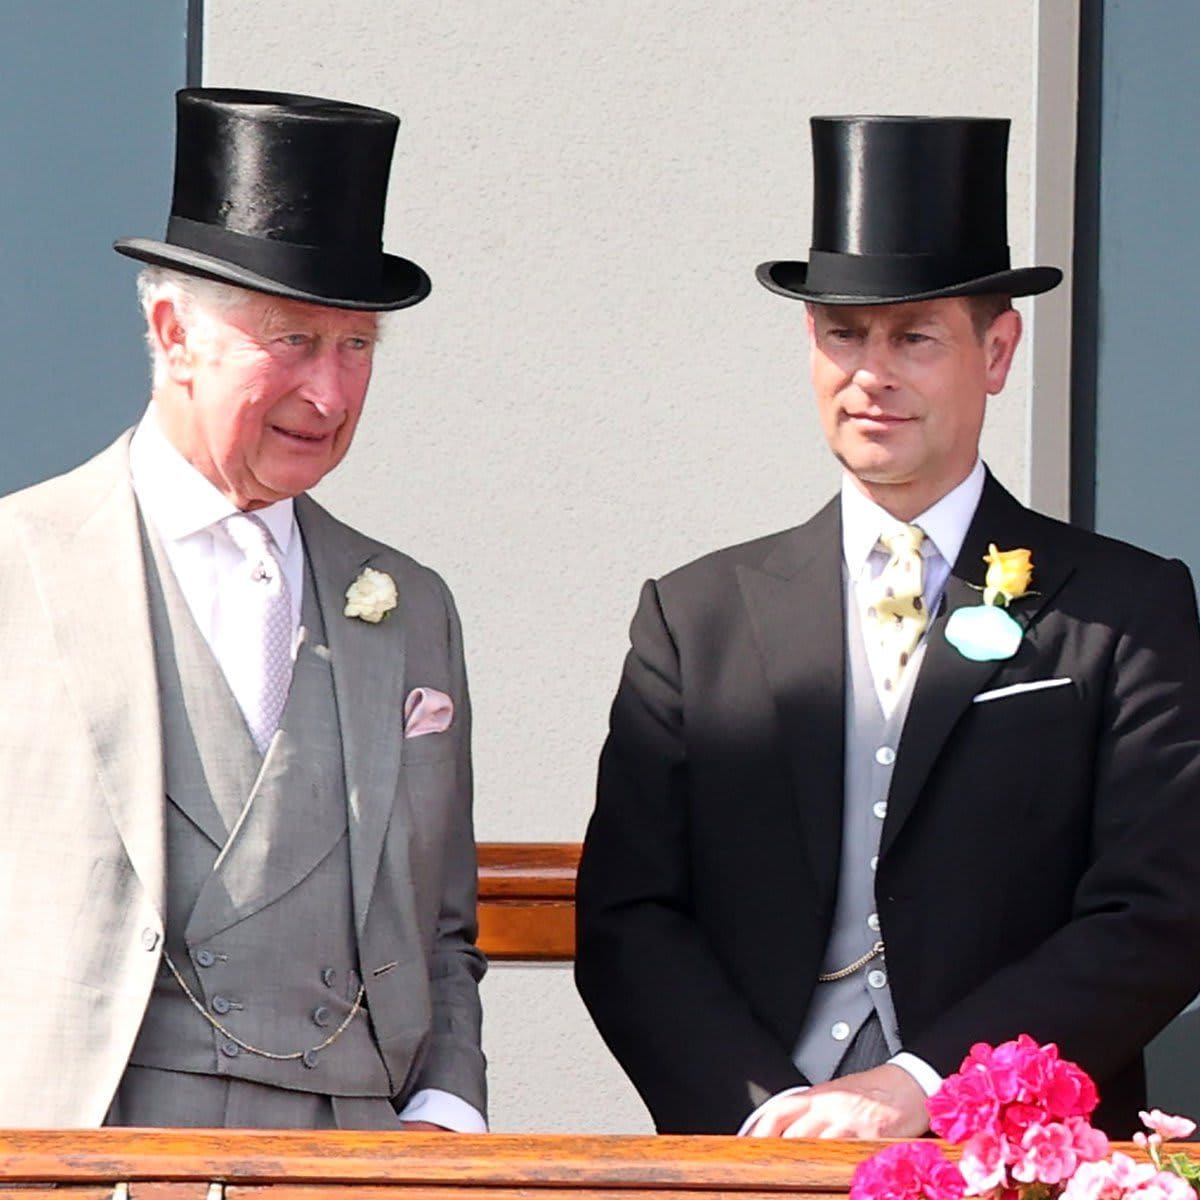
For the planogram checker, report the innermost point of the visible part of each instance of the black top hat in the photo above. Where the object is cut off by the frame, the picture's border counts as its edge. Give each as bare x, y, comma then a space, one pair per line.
907, 208
283, 194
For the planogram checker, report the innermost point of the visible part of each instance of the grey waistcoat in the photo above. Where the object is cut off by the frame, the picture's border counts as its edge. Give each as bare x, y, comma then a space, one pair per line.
871, 742
259, 912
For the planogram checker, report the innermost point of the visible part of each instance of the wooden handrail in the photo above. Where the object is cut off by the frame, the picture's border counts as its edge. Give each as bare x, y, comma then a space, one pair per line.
281, 1166
527, 900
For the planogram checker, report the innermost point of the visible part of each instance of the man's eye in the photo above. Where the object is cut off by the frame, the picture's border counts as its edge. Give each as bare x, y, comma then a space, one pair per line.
912, 338
295, 339
841, 335
358, 343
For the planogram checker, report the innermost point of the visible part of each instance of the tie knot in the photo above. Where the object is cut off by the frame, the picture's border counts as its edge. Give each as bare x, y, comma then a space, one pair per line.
253, 539
905, 539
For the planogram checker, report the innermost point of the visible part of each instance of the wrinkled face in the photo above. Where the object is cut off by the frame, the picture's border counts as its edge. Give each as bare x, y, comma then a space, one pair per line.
901, 391
263, 400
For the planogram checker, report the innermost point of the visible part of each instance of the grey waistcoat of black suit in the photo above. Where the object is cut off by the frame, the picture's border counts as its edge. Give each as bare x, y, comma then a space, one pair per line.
840, 1008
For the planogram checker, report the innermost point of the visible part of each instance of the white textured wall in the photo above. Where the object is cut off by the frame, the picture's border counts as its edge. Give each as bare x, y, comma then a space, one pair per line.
598, 389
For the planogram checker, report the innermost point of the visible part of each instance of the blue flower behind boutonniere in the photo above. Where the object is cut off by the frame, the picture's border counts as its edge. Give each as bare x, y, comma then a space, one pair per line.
986, 632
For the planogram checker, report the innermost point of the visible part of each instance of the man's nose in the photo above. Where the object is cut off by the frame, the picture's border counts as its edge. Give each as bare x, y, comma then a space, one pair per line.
324, 387
873, 372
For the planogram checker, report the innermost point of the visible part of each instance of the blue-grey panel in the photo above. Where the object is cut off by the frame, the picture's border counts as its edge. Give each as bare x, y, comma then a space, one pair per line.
1148, 399
86, 144
1148, 393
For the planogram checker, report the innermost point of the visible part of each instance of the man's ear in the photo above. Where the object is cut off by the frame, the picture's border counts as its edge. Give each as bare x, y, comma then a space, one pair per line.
999, 346
169, 334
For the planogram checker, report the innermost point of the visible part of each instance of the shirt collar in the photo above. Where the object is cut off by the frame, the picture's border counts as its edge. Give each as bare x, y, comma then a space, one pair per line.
945, 523
178, 501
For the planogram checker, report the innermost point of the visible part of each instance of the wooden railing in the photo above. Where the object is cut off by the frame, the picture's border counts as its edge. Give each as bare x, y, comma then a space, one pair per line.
254, 1165
527, 900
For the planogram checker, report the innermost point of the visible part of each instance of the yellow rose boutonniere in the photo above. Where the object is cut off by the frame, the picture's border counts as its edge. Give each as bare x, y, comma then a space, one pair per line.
986, 632
1008, 575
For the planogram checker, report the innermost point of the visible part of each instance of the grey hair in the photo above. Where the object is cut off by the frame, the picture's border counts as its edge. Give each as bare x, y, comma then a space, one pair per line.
196, 298
192, 295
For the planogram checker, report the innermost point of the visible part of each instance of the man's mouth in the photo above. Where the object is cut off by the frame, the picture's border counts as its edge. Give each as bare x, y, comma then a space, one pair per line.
881, 419
300, 435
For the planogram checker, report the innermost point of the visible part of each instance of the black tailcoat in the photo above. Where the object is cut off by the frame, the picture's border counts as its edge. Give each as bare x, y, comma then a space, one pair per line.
1038, 871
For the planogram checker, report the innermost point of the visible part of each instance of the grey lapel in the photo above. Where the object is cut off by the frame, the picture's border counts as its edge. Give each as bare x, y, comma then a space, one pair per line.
368, 678
795, 602
948, 681
92, 583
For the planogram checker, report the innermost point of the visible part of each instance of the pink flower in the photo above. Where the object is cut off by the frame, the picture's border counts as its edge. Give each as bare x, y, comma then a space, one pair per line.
1017, 1118
1112, 1179
1067, 1091
907, 1171
965, 1104
1090, 1144
1048, 1155
1166, 1126
1164, 1186
983, 1163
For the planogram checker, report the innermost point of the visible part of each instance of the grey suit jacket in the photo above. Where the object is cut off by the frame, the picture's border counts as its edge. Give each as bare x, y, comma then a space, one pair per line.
81, 801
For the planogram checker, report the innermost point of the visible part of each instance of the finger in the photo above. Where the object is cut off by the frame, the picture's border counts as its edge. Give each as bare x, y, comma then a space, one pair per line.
775, 1120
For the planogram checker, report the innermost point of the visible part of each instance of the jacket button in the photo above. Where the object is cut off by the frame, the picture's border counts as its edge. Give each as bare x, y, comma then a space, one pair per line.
320, 1015
205, 958
220, 1005
149, 938
230, 1049
328, 976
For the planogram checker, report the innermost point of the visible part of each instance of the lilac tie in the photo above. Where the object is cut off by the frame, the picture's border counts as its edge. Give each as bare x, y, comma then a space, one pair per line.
270, 610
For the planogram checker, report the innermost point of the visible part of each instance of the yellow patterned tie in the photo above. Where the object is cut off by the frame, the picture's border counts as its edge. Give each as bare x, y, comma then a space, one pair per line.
895, 610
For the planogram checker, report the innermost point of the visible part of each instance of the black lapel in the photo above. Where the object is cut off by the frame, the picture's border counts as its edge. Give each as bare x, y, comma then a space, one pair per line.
795, 602
948, 682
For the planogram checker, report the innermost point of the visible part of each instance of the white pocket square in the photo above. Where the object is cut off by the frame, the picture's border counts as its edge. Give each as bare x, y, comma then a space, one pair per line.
427, 711
1015, 689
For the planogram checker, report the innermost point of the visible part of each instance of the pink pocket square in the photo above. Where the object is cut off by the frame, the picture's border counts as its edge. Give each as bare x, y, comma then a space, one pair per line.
427, 711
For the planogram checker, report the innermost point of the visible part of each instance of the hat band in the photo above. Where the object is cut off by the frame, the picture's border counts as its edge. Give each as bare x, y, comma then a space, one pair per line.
335, 272
898, 274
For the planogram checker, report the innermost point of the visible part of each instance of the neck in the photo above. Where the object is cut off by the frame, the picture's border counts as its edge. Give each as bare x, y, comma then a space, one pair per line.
904, 501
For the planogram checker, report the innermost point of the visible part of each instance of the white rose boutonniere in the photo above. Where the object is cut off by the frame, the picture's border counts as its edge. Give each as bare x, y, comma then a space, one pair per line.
371, 596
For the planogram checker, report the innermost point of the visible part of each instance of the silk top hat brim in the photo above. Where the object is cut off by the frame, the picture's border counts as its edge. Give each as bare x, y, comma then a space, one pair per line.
401, 283
907, 209
283, 194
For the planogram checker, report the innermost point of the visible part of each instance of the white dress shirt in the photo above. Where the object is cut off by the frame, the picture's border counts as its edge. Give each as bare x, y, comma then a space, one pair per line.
186, 510
863, 523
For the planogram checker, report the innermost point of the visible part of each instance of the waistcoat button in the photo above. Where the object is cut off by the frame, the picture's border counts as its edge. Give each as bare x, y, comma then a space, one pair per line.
328, 976
309, 1059
230, 1049
205, 958
320, 1015
220, 1005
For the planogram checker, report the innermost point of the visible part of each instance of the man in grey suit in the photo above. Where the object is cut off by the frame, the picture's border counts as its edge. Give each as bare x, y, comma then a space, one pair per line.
237, 873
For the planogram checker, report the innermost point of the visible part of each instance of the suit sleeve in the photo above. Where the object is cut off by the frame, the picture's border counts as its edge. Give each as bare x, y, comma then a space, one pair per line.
454, 1062
1124, 963
658, 994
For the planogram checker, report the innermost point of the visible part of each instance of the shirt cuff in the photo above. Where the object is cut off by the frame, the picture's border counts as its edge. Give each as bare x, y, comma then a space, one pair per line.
749, 1123
445, 1109
928, 1080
